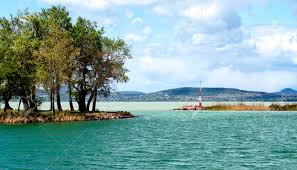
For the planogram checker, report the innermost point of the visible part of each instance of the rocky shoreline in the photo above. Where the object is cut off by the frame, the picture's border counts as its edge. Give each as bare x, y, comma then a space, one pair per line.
11, 118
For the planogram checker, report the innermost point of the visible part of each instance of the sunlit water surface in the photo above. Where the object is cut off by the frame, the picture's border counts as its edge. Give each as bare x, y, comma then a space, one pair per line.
158, 138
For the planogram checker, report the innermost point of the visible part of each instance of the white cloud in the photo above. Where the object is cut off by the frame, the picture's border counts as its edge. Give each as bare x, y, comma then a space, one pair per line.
156, 73
99, 4
255, 58
163, 73
134, 37
137, 20
199, 39
202, 11
294, 59
147, 30
161, 10
269, 81
88, 4
274, 40
130, 14
106, 21
135, 2
212, 44
167, 66
140, 37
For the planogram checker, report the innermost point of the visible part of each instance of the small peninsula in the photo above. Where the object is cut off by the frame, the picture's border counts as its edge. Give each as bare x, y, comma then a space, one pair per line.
47, 50
15, 118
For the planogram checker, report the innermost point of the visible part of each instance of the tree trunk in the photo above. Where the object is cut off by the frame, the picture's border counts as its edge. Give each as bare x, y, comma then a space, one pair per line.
34, 101
70, 97
6, 105
82, 93
24, 100
51, 103
25, 103
6, 102
59, 99
89, 101
82, 107
52, 96
91, 98
94, 101
19, 107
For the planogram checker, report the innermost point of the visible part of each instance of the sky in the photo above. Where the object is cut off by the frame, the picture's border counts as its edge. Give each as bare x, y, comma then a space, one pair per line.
244, 44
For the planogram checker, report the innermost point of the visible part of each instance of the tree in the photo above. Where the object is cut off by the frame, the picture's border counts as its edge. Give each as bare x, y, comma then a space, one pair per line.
6, 64
17, 66
99, 63
45, 49
56, 51
107, 67
88, 40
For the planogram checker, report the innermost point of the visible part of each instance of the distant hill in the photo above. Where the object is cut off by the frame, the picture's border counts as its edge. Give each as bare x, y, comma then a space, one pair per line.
289, 91
130, 93
191, 94
209, 94
188, 91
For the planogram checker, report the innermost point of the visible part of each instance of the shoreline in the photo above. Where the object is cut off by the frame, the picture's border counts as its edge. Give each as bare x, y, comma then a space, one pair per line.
238, 107
259, 107
242, 107
13, 118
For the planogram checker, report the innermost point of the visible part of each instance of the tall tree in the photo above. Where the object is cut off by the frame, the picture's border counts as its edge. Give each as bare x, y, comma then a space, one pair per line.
7, 68
57, 49
99, 63
55, 53
87, 39
17, 66
108, 67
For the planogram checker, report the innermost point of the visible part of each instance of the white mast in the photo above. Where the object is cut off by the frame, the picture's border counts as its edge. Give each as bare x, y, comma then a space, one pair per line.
200, 98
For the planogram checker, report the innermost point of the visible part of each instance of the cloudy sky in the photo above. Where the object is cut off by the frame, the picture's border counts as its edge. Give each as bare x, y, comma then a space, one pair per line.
246, 44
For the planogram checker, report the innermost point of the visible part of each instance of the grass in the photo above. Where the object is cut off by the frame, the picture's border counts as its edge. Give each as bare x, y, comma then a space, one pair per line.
252, 107
287, 107
13, 117
238, 107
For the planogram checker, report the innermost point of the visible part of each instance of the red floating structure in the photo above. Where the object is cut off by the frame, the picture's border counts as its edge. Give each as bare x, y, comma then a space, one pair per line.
194, 107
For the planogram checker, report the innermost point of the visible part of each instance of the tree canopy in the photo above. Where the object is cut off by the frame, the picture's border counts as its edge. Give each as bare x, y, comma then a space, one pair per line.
47, 50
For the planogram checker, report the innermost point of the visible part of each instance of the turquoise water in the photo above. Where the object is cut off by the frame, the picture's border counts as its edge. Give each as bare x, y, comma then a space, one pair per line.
156, 139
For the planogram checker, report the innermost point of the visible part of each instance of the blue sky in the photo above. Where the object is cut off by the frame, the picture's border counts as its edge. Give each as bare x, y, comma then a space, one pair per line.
246, 44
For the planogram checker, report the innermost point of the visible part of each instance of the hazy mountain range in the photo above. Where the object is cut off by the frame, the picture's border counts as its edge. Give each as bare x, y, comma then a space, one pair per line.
191, 94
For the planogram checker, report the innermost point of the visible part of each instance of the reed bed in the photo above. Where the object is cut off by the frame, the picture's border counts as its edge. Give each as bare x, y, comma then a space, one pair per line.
287, 107
238, 107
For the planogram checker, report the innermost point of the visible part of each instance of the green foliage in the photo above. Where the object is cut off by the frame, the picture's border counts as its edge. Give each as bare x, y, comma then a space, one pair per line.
46, 49
100, 60
17, 67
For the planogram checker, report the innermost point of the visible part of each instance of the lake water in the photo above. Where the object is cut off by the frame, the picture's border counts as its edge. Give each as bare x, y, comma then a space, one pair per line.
141, 106
157, 139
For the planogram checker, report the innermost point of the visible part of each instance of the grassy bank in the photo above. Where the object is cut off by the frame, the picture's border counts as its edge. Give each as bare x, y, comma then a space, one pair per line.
253, 107
238, 107
16, 118
287, 107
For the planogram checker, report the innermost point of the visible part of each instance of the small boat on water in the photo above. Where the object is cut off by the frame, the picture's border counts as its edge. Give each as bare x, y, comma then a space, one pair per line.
194, 107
